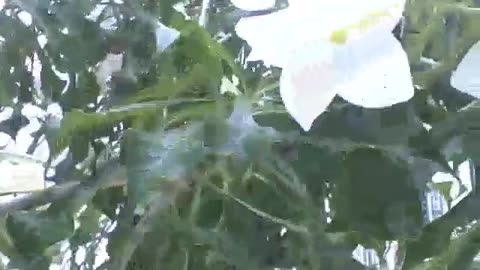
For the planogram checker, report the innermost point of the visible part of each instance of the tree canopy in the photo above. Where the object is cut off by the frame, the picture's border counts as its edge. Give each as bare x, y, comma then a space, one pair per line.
164, 148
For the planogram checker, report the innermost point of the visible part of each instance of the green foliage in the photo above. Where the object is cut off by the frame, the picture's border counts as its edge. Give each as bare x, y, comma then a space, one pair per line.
383, 202
32, 232
193, 178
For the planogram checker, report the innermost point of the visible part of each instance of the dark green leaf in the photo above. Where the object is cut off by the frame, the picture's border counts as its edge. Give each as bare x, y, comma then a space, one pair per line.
34, 231
376, 196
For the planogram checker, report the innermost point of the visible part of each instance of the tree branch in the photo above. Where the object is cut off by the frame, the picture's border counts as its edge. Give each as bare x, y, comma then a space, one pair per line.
110, 175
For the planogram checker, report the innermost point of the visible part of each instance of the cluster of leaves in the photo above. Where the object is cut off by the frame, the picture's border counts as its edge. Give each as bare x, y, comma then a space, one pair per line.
192, 178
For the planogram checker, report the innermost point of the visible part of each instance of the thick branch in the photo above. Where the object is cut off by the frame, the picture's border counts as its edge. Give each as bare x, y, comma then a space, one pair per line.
110, 175
39, 198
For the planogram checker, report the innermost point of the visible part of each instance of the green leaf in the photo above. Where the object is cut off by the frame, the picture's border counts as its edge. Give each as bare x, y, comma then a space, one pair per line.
52, 86
435, 237
376, 196
30, 262
6, 243
89, 227
34, 231
108, 200
459, 254
79, 147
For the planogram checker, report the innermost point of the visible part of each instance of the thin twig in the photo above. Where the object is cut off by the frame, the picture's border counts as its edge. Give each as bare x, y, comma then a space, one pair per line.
289, 225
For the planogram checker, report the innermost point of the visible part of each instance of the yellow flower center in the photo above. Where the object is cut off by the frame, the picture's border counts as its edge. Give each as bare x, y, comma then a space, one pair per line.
340, 36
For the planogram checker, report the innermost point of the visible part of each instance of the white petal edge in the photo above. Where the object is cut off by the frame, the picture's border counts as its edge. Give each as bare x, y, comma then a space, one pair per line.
253, 4
466, 77
307, 89
266, 36
377, 72
345, 19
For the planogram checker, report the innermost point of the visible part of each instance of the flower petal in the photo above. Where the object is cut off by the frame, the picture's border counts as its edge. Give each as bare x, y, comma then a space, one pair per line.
273, 36
377, 72
266, 36
466, 77
268, 58
253, 4
366, 16
307, 85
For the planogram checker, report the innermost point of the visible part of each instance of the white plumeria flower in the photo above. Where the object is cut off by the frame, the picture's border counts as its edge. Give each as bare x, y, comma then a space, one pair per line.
252, 5
466, 77
326, 48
